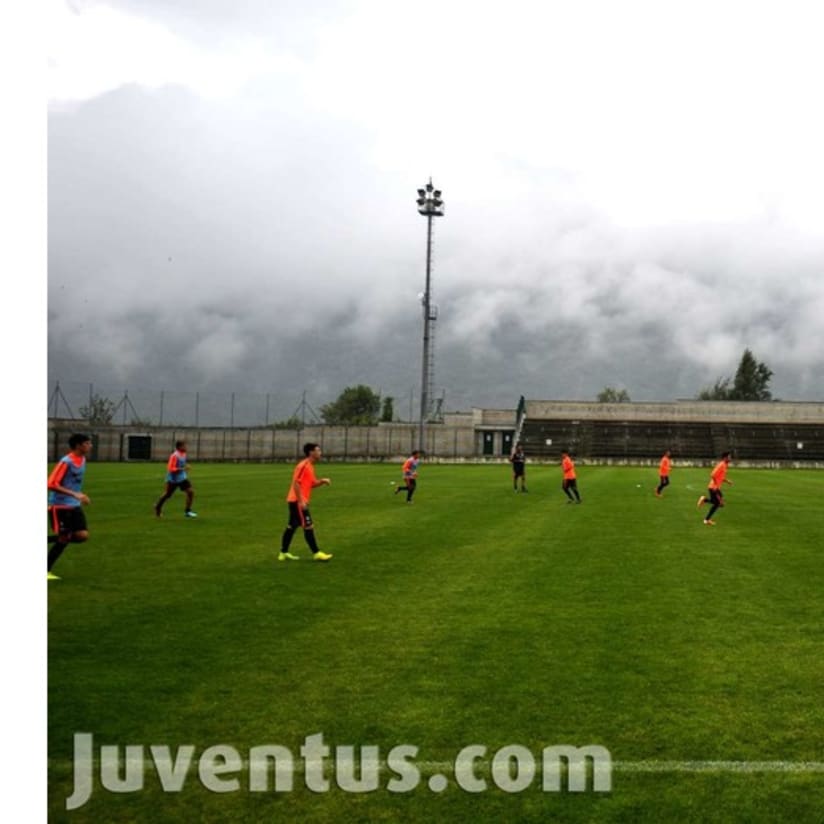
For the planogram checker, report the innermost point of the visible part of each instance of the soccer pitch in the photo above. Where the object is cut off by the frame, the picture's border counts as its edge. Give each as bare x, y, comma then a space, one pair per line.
475, 616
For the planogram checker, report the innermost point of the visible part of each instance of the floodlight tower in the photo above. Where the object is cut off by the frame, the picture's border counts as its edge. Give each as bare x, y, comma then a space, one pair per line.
430, 205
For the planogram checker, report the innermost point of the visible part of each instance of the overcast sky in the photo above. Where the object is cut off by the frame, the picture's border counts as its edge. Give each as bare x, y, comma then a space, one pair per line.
633, 196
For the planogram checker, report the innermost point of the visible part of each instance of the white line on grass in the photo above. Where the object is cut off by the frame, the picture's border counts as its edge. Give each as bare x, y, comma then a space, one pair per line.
669, 766
481, 766
719, 766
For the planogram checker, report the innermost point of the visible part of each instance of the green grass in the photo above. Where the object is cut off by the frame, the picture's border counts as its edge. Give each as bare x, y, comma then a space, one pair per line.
475, 616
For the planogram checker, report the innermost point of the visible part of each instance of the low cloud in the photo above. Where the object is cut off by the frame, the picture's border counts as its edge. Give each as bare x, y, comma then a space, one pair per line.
268, 237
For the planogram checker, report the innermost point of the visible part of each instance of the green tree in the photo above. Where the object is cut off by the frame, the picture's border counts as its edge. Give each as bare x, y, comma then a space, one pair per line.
355, 406
750, 383
751, 380
292, 422
610, 394
719, 391
388, 409
99, 411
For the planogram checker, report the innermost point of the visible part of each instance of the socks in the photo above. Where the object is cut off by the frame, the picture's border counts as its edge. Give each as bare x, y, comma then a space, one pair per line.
55, 552
286, 539
309, 535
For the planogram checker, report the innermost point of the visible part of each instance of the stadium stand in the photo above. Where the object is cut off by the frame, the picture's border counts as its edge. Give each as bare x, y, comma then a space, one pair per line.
691, 430
776, 442
617, 439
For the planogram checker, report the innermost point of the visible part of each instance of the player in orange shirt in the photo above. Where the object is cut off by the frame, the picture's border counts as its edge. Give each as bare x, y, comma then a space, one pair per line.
570, 484
177, 477
714, 494
410, 476
304, 481
664, 472
66, 499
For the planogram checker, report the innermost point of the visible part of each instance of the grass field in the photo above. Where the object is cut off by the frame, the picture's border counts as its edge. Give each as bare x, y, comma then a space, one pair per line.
475, 616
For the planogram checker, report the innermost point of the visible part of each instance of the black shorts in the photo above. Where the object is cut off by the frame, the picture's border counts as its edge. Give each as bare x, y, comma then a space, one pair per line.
570, 483
183, 486
715, 496
67, 519
518, 469
299, 517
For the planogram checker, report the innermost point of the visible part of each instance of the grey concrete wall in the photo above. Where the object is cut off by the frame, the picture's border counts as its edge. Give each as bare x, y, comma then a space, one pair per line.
385, 442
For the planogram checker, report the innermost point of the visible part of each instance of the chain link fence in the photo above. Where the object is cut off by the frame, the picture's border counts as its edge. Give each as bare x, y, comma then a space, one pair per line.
135, 406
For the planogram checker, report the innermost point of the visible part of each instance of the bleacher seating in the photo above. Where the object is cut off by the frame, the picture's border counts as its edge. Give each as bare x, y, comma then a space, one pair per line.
776, 442
610, 439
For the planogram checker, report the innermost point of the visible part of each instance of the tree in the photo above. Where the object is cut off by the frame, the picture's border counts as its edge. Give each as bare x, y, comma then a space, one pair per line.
99, 411
356, 405
719, 391
293, 422
388, 410
750, 383
611, 395
751, 380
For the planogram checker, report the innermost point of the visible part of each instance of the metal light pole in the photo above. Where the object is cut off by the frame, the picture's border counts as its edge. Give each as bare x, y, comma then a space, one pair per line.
430, 205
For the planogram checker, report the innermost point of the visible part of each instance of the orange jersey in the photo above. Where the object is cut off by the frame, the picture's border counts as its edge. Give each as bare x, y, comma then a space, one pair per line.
68, 474
59, 471
666, 466
304, 476
569, 469
718, 475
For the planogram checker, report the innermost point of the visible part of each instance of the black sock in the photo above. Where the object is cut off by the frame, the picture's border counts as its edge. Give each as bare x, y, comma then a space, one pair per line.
286, 539
309, 535
55, 552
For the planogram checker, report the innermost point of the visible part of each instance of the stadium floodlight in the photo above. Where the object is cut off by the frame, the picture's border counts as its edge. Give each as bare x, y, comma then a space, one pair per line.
430, 205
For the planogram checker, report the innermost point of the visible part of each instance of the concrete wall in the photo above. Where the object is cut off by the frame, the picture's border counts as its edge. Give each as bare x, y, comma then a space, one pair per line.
385, 442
